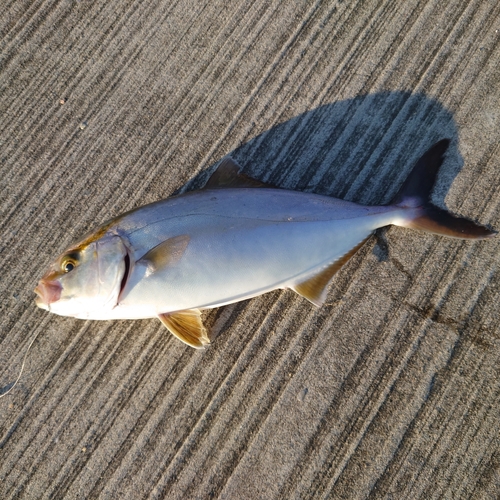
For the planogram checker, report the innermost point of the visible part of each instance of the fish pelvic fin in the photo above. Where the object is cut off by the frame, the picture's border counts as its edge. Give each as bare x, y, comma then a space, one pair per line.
314, 289
187, 327
415, 194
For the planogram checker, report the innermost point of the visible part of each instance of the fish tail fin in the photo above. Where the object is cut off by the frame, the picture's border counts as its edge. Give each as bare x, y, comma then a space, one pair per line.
415, 194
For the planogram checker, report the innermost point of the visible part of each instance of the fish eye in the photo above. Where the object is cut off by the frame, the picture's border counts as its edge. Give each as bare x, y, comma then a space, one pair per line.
68, 266
69, 262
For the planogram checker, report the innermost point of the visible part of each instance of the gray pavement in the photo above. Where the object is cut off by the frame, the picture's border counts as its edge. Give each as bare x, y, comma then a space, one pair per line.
390, 390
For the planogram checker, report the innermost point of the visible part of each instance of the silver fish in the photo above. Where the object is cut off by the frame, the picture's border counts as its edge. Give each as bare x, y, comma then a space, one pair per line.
232, 240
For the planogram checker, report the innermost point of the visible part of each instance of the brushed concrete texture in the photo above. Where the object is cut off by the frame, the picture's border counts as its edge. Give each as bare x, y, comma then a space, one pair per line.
391, 390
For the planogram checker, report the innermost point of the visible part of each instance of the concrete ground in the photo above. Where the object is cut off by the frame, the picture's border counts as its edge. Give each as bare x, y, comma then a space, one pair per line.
390, 390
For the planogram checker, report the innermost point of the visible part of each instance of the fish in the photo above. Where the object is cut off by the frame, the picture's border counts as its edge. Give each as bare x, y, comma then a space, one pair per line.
232, 240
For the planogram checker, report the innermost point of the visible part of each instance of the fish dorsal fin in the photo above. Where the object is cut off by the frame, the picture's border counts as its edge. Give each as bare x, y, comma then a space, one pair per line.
187, 326
314, 289
168, 252
228, 175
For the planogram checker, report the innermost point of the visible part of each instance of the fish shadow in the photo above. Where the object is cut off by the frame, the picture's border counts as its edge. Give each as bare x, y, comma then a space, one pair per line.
359, 149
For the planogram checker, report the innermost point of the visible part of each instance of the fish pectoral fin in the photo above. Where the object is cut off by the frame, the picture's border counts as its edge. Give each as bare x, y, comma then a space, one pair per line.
228, 175
168, 252
314, 289
187, 326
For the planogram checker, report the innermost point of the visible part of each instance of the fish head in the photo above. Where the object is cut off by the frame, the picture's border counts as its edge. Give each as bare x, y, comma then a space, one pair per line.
86, 279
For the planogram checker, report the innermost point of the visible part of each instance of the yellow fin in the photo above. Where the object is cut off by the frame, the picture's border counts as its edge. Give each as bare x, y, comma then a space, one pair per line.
314, 289
187, 326
166, 253
228, 175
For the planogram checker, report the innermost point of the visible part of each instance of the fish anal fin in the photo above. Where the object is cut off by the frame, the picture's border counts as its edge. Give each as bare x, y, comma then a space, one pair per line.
315, 289
228, 175
187, 327
166, 253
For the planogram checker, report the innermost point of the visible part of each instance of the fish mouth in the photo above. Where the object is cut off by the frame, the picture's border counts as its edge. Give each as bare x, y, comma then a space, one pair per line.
48, 292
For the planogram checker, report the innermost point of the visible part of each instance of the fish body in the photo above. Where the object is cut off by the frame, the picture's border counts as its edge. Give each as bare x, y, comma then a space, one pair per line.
233, 240
239, 243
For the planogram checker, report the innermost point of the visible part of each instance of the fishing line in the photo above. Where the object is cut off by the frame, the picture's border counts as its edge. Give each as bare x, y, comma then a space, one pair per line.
22, 365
